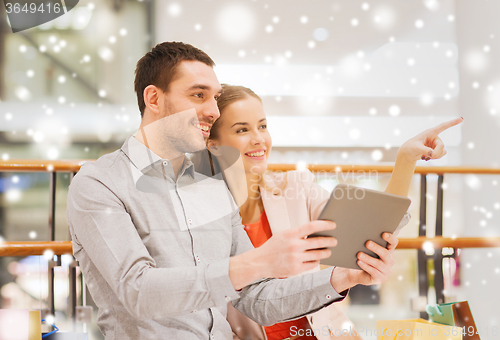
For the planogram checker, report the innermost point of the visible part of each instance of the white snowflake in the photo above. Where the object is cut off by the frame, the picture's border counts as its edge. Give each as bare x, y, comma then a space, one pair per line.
419, 23
394, 110
377, 155
174, 9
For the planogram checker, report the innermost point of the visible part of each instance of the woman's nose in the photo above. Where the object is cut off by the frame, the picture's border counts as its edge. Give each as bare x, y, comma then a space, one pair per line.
257, 138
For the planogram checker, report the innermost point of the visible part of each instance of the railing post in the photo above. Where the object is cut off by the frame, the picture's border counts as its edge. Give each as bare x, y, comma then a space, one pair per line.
52, 234
438, 254
73, 280
53, 262
52, 206
422, 257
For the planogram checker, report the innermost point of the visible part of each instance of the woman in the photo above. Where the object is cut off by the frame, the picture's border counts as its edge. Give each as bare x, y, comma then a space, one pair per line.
266, 209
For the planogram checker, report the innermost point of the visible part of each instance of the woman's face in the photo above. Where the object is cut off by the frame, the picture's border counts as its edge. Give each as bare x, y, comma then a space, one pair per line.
244, 126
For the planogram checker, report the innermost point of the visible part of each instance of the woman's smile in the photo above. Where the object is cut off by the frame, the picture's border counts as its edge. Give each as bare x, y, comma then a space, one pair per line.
256, 154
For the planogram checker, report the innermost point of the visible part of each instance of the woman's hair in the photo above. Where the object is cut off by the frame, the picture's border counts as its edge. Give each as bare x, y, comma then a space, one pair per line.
230, 94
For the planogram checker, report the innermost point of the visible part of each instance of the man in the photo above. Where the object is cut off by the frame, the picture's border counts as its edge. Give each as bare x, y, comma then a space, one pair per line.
162, 247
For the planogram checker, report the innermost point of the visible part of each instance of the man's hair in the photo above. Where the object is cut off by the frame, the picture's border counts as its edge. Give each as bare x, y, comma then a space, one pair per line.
158, 67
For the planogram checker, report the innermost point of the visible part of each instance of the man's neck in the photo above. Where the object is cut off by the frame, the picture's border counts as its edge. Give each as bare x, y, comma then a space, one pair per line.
177, 161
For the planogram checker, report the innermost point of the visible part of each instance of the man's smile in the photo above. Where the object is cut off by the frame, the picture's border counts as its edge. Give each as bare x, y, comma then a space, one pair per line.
204, 128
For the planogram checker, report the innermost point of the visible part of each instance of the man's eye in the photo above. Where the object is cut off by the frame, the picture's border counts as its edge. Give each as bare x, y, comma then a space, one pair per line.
216, 98
264, 126
199, 95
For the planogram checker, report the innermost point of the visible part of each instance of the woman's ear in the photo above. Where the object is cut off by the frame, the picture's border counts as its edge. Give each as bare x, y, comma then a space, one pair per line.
211, 145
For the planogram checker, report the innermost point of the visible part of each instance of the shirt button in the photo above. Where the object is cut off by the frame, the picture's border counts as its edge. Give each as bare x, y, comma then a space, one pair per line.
190, 221
227, 298
194, 311
165, 163
328, 297
213, 336
198, 258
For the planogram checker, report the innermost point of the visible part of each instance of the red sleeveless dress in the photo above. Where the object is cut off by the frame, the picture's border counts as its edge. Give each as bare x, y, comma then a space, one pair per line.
259, 232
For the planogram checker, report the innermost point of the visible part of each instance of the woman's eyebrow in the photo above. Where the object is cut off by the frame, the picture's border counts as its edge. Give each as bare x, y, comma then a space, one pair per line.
247, 123
239, 124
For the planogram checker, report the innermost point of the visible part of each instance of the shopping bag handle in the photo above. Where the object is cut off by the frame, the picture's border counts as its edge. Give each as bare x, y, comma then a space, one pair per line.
383, 335
428, 309
50, 333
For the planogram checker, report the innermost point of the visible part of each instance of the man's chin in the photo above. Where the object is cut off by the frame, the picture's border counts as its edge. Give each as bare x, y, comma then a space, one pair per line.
196, 147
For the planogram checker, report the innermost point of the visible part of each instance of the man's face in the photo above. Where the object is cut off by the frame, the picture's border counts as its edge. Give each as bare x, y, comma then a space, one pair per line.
195, 86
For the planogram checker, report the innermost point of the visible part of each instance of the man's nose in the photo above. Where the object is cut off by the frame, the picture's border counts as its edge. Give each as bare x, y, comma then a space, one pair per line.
210, 110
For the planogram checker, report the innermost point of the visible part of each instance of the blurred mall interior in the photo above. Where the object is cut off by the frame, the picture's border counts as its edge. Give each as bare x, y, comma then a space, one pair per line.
343, 82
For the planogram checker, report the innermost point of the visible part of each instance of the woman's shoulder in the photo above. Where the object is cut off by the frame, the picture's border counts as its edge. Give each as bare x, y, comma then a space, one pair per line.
288, 178
300, 176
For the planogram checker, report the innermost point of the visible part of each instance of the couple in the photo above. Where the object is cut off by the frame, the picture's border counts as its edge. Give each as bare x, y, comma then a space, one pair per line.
162, 246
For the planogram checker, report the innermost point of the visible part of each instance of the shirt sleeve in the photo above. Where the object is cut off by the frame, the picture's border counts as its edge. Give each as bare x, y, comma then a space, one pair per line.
106, 241
270, 301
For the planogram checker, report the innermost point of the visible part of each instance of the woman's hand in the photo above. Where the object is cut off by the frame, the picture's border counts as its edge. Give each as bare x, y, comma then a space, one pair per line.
427, 144
375, 271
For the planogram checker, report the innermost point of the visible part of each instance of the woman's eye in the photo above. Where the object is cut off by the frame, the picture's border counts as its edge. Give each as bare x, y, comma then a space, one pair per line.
241, 130
199, 95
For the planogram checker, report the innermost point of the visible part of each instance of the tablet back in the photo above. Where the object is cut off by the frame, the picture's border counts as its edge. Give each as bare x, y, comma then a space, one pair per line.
361, 215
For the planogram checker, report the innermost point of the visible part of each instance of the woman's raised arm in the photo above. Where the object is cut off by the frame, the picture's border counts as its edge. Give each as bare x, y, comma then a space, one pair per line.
425, 146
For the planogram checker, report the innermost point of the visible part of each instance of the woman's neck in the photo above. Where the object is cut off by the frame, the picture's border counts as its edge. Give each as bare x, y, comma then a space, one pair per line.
251, 210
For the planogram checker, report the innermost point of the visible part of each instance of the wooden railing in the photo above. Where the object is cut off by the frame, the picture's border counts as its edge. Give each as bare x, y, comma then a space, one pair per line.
60, 248
27, 165
65, 247
74, 166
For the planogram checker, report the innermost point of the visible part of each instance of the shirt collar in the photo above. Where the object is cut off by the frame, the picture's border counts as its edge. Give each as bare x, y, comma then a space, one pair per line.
145, 160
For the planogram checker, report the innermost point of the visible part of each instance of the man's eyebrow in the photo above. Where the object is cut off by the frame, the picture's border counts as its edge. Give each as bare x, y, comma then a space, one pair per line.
201, 87
247, 123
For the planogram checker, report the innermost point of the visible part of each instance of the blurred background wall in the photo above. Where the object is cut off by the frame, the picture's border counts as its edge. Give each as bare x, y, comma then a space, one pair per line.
343, 82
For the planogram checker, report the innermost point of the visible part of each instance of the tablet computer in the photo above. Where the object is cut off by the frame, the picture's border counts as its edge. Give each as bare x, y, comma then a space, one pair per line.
361, 215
